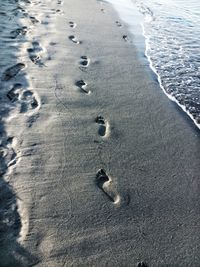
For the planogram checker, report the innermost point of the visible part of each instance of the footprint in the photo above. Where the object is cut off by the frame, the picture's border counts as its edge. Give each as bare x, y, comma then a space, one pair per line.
8, 157
20, 10
74, 40
126, 38
103, 126
3, 154
34, 53
104, 182
29, 97
27, 1
28, 101
118, 23
12, 71
13, 94
58, 11
13, 157
2, 13
10, 140
84, 61
34, 20
83, 86
45, 22
24, 97
17, 32
72, 24
36, 46
32, 119
141, 264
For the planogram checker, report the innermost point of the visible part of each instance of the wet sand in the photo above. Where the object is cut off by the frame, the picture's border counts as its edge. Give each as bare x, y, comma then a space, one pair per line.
98, 167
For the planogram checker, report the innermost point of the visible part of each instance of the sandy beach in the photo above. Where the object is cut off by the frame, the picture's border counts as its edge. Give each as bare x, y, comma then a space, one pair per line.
98, 167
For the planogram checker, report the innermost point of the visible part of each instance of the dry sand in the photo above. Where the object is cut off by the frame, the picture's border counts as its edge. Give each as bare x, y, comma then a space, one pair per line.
98, 167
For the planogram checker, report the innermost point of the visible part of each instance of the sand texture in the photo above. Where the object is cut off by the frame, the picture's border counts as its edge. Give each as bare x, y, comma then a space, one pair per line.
98, 167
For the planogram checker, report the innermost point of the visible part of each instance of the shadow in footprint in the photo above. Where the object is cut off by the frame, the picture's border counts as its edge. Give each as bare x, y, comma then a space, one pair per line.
83, 86
27, 1
3, 14
29, 101
34, 53
118, 23
12, 71
34, 20
7, 158
84, 62
19, 11
74, 40
141, 264
102, 125
72, 24
19, 31
25, 97
104, 182
13, 94
126, 38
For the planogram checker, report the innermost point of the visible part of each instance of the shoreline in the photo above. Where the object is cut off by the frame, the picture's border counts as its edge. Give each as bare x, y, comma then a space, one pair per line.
108, 169
141, 42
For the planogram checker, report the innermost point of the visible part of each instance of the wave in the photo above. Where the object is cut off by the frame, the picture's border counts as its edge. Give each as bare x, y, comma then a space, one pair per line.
171, 29
172, 49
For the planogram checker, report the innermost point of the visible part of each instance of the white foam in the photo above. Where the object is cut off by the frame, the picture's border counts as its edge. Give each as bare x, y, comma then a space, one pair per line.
162, 87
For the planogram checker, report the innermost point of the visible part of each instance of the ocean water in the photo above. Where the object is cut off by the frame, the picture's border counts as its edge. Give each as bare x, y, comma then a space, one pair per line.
171, 29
